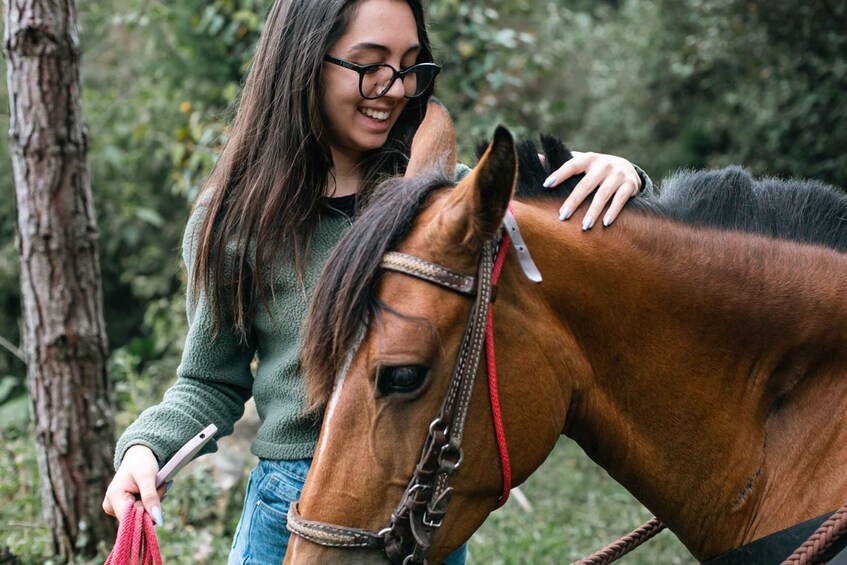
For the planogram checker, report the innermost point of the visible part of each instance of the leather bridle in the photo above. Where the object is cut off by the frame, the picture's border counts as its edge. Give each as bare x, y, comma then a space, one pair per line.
421, 510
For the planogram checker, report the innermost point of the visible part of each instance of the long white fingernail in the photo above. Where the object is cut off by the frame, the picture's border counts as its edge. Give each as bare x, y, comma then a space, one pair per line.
565, 213
549, 182
587, 223
607, 220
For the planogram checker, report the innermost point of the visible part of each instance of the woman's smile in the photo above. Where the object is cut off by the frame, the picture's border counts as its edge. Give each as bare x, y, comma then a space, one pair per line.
376, 115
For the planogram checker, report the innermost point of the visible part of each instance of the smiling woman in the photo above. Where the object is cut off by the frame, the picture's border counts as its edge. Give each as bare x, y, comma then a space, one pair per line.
335, 97
361, 100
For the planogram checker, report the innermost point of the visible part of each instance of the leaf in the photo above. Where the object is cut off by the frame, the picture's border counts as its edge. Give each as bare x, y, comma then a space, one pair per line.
7, 386
150, 216
14, 413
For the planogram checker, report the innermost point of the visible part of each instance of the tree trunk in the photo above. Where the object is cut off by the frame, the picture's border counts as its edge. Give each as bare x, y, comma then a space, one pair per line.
64, 333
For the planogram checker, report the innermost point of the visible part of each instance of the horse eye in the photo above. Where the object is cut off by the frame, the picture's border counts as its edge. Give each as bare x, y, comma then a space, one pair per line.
401, 379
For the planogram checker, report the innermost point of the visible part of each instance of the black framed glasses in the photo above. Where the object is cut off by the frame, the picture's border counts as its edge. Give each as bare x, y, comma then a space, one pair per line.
376, 80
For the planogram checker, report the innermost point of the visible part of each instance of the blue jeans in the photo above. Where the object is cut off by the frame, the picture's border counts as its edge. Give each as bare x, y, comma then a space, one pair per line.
261, 536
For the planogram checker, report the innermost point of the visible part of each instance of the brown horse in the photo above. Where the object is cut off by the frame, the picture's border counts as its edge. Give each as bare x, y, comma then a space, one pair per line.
704, 369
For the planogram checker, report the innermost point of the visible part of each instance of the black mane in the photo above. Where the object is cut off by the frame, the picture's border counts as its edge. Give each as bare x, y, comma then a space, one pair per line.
807, 211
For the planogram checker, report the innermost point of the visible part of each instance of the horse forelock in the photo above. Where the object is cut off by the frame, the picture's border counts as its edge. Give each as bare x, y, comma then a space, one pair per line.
345, 297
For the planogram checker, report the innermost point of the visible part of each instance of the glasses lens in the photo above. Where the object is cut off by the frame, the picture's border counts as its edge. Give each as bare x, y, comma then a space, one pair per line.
376, 80
419, 79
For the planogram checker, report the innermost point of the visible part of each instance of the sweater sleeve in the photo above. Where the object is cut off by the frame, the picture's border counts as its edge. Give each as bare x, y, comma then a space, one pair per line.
462, 171
646, 181
214, 379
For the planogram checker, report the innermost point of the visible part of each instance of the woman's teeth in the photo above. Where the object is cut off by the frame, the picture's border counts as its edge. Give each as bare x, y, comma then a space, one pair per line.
378, 116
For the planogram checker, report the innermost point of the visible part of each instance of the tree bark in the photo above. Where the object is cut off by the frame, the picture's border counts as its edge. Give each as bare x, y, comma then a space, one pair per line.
64, 332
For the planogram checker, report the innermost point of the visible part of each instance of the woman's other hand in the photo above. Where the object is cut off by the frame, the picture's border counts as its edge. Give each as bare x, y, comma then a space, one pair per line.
615, 179
135, 476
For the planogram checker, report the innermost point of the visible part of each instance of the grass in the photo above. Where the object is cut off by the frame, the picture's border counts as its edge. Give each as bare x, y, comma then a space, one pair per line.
576, 509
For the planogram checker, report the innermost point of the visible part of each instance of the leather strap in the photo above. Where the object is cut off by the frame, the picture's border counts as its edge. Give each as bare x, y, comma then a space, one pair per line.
442, 453
329, 535
422, 269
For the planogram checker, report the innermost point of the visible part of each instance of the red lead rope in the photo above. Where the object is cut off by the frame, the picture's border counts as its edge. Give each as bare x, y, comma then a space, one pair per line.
492, 379
136, 540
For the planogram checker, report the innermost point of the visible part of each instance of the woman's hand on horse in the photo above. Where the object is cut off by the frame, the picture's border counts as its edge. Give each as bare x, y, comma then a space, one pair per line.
135, 476
614, 178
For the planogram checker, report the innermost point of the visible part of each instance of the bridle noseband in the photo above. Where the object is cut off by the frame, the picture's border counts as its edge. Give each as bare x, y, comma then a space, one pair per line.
423, 505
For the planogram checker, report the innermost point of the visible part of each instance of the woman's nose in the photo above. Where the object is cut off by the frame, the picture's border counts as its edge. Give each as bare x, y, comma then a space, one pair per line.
397, 90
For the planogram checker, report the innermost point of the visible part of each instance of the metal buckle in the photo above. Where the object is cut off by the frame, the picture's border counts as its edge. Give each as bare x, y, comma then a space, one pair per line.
431, 523
434, 426
419, 487
447, 465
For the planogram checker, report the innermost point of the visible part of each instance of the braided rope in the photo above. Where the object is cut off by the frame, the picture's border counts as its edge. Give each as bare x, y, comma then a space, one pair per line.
828, 533
136, 540
618, 549
493, 394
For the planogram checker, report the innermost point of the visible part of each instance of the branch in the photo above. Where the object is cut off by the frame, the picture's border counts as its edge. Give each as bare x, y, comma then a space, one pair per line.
6, 344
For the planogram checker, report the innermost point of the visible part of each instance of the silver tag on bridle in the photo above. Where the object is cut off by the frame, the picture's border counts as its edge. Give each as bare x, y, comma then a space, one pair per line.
524, 258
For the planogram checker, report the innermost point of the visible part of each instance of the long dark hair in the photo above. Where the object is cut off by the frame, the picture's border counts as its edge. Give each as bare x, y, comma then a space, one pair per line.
267, 184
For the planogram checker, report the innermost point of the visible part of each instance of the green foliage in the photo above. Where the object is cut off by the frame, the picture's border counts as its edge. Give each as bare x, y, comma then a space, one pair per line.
21, 529
11, 368
14, 405
715, 84
199, 520
665, 83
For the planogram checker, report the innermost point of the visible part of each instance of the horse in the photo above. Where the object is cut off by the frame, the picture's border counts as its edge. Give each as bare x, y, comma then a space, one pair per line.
698, 356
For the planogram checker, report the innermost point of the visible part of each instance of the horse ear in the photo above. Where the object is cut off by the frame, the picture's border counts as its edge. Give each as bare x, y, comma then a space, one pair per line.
434, 144
476, 207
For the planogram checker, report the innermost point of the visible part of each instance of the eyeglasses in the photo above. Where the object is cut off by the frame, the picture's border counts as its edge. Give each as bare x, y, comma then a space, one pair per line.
376, 80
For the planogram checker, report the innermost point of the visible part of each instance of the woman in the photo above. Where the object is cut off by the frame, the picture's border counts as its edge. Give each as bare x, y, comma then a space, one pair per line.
336, 92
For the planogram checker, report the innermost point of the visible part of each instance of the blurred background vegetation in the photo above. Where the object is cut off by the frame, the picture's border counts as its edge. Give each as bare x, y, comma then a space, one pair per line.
665, 83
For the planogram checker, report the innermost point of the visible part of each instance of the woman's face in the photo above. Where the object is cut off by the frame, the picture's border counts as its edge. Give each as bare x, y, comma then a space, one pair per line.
381, 31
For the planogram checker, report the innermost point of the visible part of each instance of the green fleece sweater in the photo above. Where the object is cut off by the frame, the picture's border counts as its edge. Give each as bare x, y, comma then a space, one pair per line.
214, 379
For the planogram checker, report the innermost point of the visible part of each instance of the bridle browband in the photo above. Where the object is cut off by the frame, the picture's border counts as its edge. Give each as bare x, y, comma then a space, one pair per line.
421, 510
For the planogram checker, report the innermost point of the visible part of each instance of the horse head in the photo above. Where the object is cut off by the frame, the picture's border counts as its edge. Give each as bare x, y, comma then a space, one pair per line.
394, 375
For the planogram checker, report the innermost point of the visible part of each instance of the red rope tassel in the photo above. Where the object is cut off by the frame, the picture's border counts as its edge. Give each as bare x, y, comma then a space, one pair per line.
136, 540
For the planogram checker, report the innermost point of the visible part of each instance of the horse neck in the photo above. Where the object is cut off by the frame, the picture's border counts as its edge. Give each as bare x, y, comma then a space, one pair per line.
680, 333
